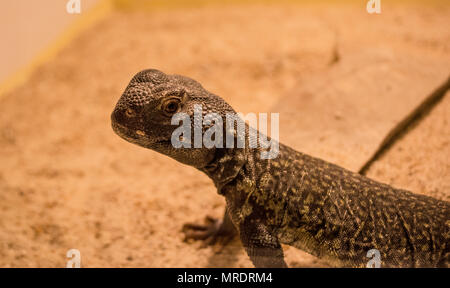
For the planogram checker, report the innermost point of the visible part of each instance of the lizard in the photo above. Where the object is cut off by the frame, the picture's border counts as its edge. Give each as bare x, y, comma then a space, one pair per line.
293, 199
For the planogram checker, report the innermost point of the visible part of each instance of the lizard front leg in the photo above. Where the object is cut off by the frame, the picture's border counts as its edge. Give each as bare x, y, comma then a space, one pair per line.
263, 248
213, 231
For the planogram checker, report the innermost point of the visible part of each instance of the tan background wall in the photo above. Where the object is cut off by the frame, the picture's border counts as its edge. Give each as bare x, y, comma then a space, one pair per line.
27, 27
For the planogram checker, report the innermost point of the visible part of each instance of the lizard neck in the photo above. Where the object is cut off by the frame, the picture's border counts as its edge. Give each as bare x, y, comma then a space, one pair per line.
229, 162
225, 166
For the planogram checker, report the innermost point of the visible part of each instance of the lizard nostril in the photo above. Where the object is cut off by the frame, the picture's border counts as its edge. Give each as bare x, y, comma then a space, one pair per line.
130, 112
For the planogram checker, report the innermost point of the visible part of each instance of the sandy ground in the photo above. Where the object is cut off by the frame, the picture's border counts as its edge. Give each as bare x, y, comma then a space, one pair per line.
67, 181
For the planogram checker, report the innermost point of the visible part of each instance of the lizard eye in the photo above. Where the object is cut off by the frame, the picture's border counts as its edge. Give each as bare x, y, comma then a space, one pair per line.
171, 106
130, 112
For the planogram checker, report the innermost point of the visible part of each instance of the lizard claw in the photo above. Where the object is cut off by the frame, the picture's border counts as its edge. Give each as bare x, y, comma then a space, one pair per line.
213, 233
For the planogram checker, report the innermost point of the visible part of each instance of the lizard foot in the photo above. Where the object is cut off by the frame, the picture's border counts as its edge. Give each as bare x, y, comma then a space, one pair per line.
213, 233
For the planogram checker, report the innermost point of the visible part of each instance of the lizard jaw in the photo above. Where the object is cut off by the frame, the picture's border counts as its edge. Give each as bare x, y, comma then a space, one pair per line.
137, 137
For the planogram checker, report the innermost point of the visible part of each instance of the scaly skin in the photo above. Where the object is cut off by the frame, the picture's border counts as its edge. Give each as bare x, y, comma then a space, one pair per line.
293, 199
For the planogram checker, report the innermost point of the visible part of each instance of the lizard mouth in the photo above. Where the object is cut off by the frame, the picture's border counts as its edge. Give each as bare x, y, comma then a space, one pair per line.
130, 135
124, 132
137, 136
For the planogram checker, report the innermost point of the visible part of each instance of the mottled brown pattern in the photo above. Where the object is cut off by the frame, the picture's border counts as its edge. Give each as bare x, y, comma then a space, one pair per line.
294, 199
339, 215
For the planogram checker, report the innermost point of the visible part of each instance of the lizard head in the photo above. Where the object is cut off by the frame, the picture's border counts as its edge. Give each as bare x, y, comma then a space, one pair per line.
143, 113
